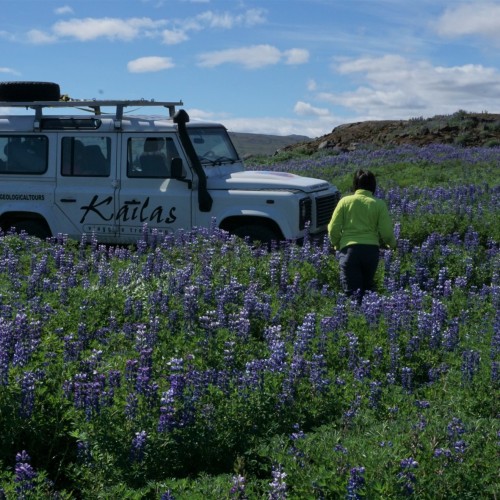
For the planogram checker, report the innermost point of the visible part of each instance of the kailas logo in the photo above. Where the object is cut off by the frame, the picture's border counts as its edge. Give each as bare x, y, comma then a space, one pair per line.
130, 210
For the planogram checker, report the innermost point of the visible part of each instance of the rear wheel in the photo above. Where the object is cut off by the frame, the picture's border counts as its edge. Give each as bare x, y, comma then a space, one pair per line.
33, 228
29, 91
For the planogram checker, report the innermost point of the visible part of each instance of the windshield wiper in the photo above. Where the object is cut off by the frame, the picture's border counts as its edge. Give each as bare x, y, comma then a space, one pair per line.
216, 161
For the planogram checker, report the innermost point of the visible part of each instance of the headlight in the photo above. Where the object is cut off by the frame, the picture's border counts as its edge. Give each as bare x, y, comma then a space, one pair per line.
305, 212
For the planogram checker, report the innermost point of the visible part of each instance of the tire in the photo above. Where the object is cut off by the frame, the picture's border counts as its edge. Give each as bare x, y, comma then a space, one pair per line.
29, 91
33, 228
256, 233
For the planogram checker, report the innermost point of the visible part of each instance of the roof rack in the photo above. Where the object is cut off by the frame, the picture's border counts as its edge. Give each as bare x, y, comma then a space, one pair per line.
93, 106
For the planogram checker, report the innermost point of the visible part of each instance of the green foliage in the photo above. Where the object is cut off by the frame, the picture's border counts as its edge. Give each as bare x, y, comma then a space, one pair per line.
256, 360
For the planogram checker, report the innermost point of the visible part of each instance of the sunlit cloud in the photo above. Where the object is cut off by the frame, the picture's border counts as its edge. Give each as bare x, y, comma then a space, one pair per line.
174, 37
252, 57
107, 27
392, 86
296, 56
150, 64
305, 109
478, 18
38, 37
9, 71
66, 9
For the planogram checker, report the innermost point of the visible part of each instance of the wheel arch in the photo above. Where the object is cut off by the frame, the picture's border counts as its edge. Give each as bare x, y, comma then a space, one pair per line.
232, 222
10, 219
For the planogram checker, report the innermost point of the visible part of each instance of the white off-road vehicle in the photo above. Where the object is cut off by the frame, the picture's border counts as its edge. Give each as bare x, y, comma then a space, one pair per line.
63, 171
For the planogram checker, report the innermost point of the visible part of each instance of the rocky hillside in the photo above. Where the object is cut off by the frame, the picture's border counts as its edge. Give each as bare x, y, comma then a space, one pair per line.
260, 144
461, 128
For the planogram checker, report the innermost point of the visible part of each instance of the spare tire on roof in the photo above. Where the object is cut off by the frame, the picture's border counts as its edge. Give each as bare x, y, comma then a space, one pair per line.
29, 91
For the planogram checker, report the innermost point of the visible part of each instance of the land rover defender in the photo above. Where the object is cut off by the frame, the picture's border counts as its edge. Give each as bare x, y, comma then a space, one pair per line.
69, 167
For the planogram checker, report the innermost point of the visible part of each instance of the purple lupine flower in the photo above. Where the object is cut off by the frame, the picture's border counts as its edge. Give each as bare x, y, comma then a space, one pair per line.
138, 447
278, 485
406, 477
83, 452
352, 350
442, 452
422, 404
25, 474
318, 373
375, 393
294, 450
238, 487
27, 337
355, 483
378, 353
495, 372
340, 449
353, 410
131, 368
459, 446
132, 406
455, 428
27, 394
168, 495
451, 336
470, 365
363, 370
407, 379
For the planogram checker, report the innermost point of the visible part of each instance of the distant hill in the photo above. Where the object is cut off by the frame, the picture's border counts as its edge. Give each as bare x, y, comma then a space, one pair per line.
461, 128
261, 144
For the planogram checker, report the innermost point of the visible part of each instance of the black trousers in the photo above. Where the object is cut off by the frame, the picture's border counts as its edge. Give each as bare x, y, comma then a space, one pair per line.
358, 265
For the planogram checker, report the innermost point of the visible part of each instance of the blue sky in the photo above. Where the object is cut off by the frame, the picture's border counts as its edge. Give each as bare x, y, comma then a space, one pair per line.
264, 66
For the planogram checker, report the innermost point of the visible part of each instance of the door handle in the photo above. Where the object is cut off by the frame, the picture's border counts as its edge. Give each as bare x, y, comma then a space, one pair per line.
68, 200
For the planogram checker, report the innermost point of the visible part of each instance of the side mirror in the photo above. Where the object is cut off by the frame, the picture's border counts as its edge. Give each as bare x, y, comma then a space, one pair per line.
177, 169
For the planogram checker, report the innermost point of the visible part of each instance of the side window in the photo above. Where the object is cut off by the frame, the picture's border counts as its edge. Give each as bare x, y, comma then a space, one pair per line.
150, 157
85, 156
23, 154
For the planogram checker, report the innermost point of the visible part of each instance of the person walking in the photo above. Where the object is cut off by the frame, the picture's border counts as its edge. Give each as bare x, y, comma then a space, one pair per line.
360, 224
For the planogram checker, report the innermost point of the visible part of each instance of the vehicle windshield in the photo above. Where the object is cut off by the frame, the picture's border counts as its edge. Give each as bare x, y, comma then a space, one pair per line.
212, 145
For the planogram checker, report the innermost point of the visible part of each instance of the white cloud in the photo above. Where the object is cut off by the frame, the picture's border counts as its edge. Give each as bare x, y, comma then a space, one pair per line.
281, 126
66, 9
255, 56
305, 109
170, 31
227, 20
395, 87
107, 27
252, 57
38, 37
9, 71
150, 64
296, 56
312, 85
477, 18
173, 37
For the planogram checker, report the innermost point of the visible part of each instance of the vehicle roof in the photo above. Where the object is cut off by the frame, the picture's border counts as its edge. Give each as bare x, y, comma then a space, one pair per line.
129, 123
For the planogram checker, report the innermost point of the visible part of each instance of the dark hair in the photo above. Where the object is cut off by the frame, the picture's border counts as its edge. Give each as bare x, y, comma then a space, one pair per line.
364, 179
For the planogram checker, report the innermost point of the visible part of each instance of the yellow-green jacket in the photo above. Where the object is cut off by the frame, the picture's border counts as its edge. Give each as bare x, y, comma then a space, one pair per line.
361, 218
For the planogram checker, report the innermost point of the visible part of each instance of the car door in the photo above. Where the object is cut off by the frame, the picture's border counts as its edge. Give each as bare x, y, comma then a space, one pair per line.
87, 184
153, 195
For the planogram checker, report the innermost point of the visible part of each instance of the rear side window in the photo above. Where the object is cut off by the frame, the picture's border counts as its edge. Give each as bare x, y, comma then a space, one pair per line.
23, 154
86, 156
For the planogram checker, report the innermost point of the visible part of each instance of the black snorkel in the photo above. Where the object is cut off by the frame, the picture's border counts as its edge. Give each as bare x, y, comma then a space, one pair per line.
204, 199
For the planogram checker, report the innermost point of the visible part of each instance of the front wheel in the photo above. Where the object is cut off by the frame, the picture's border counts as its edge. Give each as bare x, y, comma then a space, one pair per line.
256, 233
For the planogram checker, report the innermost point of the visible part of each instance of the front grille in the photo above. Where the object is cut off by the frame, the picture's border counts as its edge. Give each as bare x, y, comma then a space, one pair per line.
325, 205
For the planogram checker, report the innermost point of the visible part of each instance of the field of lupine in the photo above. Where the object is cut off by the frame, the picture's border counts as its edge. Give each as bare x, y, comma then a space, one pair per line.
199, 367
